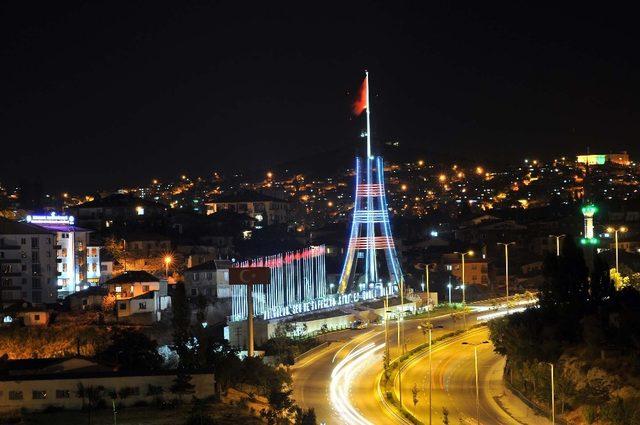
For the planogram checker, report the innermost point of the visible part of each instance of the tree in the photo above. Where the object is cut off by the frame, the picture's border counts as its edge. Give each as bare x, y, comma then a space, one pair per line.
565, 282
308, 417
182, 384
131, 350
109, 303
445, 416
201, 312
182, 336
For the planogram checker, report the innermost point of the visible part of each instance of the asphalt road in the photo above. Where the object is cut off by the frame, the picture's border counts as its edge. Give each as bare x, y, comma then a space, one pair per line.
312, 376
454, 387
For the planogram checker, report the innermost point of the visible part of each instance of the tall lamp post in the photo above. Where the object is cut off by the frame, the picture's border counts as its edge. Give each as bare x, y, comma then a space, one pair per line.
506, 266
615, 233
429, 327
475, 359
557, 237
449, 286
462, 255
426, 277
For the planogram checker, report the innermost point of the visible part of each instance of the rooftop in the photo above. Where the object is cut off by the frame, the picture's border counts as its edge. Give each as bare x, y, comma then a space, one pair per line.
211, 265
132, 277
248, 196
120, 200
10, 227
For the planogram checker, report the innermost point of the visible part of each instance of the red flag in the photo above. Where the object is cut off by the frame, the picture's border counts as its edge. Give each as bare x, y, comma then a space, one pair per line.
361, 102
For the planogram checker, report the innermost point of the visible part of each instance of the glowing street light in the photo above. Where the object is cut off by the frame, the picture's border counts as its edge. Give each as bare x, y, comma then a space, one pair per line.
167, 260
449, 286
558, 237
615, 232
475, 357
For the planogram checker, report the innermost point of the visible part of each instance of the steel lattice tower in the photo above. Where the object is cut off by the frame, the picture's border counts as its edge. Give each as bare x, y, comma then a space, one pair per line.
370, 227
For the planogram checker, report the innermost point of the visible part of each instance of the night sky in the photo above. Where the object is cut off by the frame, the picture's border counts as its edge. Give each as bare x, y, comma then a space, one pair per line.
102, 94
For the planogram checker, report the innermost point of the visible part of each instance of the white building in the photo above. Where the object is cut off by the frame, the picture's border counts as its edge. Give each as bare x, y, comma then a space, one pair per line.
27, 263
71, 244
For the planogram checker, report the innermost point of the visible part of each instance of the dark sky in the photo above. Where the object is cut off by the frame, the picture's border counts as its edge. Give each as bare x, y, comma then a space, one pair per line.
100, 94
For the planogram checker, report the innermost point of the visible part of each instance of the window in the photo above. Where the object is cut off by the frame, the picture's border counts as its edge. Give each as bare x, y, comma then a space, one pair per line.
145, 288
194, 292
36, 317
23, 241
209, 275
39, 395
195, 276
64, 267
63, 253
36, 283
118, 289
34, 242
35, 257
15, 395
24, 267
62, 393
123, 306
36, 296
142, 305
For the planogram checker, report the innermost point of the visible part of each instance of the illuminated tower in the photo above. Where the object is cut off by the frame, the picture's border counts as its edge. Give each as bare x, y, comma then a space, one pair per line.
588, 211
370, 238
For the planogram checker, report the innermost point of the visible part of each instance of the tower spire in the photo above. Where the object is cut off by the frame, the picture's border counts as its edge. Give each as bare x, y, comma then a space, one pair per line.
366, 74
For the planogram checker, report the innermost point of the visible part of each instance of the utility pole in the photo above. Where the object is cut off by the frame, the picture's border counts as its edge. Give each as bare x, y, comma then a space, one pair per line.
506, 266
557, 237
475, 360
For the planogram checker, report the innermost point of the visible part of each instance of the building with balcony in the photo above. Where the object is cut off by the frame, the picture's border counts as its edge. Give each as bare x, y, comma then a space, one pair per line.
28, 264
72, 252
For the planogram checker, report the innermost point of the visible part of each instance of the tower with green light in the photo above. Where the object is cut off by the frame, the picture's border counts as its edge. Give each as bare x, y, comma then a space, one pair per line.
588, 211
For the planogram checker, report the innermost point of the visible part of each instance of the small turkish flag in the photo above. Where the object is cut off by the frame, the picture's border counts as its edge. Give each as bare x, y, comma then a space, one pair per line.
362, 102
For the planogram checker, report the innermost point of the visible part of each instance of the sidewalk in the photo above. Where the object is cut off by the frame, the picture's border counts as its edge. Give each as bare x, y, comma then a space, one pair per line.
514, 410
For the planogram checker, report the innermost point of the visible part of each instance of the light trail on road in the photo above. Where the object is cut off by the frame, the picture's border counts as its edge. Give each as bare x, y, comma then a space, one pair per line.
341, 379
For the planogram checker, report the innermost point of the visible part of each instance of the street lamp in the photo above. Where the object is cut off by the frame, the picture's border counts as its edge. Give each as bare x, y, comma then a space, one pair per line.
430, 327
475, 357
553, 397
558, 237
506, 266
615, 232
449, 286
167, 261
462, 254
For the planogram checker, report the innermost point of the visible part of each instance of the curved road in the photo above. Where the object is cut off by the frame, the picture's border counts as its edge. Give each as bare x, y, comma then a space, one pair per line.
312, 376
454, 385
340, 381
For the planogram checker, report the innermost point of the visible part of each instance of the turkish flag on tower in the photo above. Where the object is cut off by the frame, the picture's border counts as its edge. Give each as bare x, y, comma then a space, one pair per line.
362, 102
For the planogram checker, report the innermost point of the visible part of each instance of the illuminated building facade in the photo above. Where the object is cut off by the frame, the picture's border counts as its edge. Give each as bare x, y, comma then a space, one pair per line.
71, 252
601, 159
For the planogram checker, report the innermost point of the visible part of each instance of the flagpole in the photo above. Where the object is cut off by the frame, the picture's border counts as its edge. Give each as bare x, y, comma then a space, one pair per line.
366, 73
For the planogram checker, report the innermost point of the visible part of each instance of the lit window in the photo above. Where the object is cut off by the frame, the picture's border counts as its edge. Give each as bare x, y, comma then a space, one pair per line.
140, 210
